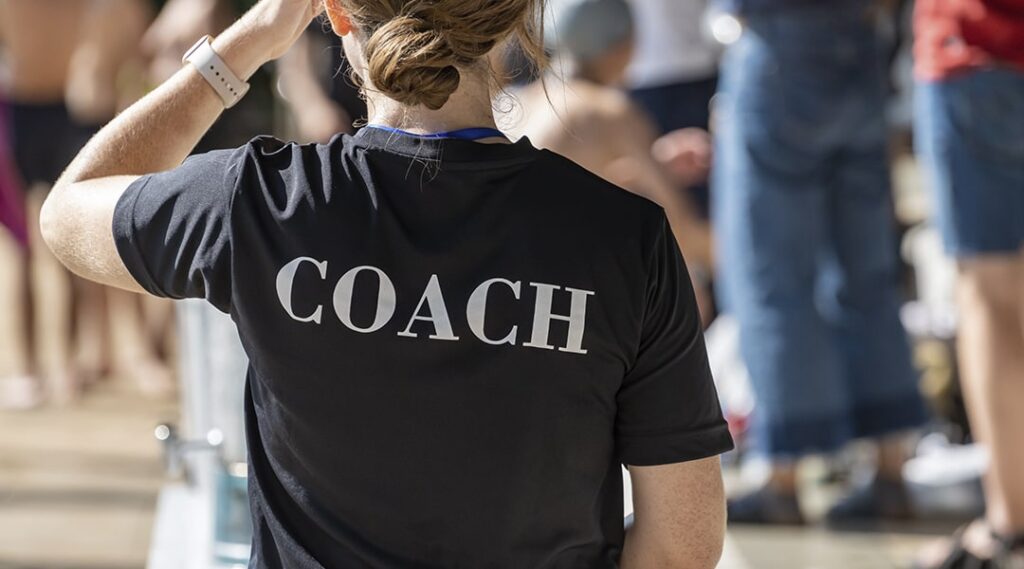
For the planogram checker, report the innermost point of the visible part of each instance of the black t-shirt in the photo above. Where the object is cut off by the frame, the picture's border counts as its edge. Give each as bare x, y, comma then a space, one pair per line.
452, 345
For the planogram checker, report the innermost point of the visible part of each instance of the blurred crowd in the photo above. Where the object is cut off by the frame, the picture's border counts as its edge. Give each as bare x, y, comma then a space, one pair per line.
66, 68
770, 131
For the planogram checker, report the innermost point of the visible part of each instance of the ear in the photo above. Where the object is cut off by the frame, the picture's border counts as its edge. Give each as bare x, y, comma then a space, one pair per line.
339, 18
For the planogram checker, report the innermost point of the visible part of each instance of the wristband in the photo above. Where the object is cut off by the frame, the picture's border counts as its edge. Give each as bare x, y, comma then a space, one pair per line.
228, 86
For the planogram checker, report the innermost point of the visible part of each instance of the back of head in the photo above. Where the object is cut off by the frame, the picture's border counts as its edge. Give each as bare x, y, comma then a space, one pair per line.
417, 50
588, 29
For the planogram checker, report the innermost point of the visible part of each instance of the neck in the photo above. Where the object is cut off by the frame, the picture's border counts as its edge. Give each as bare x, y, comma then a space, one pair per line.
596, 73
468, 107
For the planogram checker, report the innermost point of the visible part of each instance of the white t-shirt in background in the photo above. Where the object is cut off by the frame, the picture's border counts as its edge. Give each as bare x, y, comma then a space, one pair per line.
671, 45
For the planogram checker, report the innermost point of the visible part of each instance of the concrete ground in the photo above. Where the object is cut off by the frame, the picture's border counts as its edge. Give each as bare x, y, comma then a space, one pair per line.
78, 486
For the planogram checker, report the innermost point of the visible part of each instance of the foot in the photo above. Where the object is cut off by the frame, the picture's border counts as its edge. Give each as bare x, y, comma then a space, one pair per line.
65, 388
19, 393
766, 506
154, 379
882, 499
973, 547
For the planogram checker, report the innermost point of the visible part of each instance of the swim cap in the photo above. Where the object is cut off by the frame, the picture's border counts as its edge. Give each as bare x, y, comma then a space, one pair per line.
586, 29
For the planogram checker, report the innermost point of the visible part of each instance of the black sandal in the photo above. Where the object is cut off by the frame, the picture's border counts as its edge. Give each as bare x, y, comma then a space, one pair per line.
1008, 546
960, 558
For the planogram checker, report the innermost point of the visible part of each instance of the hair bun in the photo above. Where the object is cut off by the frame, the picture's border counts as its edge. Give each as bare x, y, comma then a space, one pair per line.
416, 49
410, 61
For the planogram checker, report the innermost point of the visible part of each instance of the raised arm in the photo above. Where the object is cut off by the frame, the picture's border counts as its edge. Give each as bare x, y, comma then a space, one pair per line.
679, 516
154, 135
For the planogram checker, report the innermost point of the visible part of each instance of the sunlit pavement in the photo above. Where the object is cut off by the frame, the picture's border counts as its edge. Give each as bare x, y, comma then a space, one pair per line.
78, 486
819, 549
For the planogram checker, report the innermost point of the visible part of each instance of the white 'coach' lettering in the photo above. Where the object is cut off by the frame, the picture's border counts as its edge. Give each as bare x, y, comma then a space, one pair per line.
432, 307
285, 282
385, 299
438, 313
542, 318
476, 311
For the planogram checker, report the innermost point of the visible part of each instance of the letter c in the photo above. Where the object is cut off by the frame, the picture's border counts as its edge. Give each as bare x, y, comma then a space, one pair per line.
476, 311
286, 280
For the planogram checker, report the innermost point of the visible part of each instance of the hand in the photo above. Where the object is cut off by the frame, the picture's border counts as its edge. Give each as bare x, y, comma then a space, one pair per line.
686, 153
176, 28
284, 21
265, 33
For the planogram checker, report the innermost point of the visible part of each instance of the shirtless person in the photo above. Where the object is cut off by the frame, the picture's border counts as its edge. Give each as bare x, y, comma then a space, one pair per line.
63, 58
585, 117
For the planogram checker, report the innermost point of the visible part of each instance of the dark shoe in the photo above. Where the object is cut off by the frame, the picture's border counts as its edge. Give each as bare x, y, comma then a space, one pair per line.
766, 506
882, 500
1008, 554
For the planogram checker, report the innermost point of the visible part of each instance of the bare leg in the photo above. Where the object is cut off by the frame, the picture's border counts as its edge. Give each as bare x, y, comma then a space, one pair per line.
783, 477
991, 348
54, 318
139, 355
25, 348
20, 388
892, 453
91, 334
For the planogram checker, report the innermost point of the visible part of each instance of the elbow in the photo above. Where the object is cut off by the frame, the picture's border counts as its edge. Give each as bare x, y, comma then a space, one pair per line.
708, 558
702, 553
704, 558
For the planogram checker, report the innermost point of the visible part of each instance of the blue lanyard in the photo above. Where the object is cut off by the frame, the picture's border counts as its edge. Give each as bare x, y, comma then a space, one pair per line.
475, 133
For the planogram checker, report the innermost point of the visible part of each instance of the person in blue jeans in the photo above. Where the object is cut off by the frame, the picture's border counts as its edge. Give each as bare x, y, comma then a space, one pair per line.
807, 249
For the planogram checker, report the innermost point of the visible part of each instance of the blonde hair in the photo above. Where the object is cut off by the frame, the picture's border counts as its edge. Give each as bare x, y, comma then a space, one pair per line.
417, 50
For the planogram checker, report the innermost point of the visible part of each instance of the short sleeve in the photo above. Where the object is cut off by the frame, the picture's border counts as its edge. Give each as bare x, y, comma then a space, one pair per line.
668, 408
173, 229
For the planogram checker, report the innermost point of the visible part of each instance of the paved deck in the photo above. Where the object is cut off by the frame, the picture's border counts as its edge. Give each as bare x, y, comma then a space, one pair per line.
78, 486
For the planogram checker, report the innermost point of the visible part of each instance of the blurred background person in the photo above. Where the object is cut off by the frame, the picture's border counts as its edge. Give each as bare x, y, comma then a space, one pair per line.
970, 140
317, 86
18, 384
673, 76
107, 74
584, 114
63, 64
807, 249
39, 39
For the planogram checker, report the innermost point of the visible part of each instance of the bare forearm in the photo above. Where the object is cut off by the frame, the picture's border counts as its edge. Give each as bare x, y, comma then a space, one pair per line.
640, 552
679, 517
159, 131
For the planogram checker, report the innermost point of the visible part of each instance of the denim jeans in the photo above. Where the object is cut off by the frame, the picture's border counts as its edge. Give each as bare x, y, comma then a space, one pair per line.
803, 215
969, 133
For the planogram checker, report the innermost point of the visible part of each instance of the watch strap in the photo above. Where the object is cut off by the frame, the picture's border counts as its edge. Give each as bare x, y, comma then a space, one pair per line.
228, 86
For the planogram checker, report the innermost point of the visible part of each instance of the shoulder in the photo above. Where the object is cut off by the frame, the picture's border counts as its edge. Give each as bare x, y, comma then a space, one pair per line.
585, 191
607, 113
274, 152
281, 175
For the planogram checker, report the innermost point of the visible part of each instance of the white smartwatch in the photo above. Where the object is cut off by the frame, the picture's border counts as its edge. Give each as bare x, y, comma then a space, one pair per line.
206, 61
